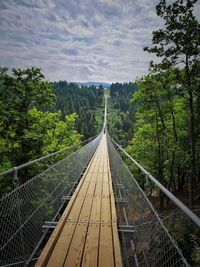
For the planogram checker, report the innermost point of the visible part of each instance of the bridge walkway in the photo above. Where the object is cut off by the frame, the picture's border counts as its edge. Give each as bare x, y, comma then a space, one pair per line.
86, 234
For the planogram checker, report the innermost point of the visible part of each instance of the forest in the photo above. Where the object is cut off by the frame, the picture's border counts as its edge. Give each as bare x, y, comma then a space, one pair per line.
121, 112
166, 130
85, 101
38, 117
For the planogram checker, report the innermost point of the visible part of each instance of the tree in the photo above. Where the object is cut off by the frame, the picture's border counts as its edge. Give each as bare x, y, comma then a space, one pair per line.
19, 92
85, 101
120, 112
47, 133
159, 129
178, 44
26, 131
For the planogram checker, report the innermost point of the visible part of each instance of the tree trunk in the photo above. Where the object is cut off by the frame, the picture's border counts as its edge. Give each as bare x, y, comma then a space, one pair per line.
191, 135
172, 180
160, 162
192, 151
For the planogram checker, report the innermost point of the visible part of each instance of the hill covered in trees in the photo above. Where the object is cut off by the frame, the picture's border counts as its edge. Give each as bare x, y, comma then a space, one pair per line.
120, 112
86, 101
96, 84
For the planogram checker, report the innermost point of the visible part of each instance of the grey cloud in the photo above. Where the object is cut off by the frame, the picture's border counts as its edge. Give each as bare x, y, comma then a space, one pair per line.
111, 10
78, 40
70, 51
56, 36
28, 4
86, 71
117, 43
103, 63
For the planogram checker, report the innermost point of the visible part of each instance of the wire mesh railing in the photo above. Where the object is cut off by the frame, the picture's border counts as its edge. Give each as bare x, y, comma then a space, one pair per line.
19, 174
24, 211
184, 231
144, 239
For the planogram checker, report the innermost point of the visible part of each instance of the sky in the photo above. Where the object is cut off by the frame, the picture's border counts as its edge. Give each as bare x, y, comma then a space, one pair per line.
78, 40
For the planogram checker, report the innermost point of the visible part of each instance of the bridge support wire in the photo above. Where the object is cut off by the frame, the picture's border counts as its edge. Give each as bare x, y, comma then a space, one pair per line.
146, 241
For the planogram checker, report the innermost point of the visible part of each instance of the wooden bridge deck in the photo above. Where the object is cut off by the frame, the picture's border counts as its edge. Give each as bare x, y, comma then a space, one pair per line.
86, 234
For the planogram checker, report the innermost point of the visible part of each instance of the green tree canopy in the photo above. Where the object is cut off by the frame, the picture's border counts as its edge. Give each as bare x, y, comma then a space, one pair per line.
178, 44
27, 129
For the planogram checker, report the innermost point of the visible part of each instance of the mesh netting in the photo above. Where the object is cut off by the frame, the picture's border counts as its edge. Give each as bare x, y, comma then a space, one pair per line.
144, 239
24, 211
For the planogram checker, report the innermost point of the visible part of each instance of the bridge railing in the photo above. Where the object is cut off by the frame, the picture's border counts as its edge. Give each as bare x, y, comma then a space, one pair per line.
18, 174
144, 239
24, 211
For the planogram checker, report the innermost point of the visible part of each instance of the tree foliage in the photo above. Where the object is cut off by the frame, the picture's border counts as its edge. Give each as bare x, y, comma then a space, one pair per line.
47, 133
178, 44
178, 41
85, 101
19, 92
27, 129
120, 112
160, 138
166, 137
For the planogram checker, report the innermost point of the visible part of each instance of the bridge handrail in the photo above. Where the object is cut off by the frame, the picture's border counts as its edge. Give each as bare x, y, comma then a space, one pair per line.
16, 168
193, 217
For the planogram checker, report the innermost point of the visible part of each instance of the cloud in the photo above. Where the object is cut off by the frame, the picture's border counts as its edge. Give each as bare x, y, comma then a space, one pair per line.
70, 51
78, 40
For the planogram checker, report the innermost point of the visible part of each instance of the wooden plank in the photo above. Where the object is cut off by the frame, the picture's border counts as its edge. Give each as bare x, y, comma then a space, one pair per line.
105, 210
98, 189
57, 258
90, 255
106, 255
75, 252
106, 191
116, 245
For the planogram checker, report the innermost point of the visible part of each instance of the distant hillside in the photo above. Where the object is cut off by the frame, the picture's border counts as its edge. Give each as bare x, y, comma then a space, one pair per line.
86, 102
97, 84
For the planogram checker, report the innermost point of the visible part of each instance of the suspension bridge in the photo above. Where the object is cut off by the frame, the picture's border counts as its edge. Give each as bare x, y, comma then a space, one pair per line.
86, 209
